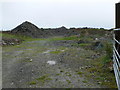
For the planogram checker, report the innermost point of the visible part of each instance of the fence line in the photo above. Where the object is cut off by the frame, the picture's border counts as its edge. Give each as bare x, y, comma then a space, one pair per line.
116, 59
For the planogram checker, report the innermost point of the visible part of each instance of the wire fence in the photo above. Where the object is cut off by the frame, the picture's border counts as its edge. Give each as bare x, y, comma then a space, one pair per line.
116, 58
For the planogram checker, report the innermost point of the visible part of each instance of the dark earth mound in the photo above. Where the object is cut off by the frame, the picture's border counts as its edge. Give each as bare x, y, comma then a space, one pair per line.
28, 29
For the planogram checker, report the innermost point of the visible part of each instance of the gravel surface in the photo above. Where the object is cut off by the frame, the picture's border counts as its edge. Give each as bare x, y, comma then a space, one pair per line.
45, 64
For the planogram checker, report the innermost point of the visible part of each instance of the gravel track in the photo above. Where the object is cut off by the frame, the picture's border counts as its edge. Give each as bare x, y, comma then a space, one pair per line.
25, 65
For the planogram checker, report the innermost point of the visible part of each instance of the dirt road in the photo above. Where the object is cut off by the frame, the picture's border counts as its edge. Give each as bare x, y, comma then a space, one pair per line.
46, 64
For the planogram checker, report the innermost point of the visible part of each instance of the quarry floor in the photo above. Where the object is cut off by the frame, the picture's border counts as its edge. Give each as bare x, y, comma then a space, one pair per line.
47, 64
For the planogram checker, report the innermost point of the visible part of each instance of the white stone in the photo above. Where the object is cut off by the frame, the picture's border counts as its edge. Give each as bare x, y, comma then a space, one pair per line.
12, 83
30, 60
96, 39
51, 62
62, 50
46, 52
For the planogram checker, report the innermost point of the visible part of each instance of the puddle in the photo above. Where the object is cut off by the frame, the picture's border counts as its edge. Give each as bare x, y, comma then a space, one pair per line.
51, 62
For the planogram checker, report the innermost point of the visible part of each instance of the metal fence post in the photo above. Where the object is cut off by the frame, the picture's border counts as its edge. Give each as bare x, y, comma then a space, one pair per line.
117, 15
116, 46
117, 33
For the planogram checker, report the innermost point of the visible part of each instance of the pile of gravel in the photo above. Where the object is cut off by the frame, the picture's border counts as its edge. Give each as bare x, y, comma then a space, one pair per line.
28, 29
31, 30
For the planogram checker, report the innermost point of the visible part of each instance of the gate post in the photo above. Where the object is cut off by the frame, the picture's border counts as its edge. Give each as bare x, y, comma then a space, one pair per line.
117, 24
116, 45
117, 15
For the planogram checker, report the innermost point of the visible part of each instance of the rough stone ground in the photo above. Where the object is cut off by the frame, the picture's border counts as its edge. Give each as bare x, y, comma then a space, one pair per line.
26, 65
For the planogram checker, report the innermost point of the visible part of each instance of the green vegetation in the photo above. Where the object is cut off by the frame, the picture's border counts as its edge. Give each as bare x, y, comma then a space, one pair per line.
64, 38
58, 74
19, 37
68, 89
109, 53
61, 71
40, 79
85, 34
101, 66
79, 73
32, 83
43, 78
13, 36
84, 81
81, 45
55, 52
24, 38
100, 72
68, 81
106, 59
68, 73
84, 44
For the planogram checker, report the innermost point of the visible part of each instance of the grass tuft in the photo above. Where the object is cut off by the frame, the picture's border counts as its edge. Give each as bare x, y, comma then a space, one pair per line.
43, 78
84, 81
80, 73
32, 83
55, 52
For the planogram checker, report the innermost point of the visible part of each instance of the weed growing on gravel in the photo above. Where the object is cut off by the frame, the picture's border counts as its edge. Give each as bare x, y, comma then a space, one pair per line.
40, 79
58, 74
61, 71
68, 73
101, 73
79, 73
84, 81
32, 83
55, 52
108, 49
84, 44
68, 81
81, 45
62, 48
63, 38
43, 78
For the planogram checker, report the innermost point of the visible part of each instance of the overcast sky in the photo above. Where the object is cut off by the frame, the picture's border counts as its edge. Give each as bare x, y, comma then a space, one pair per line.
57, 13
